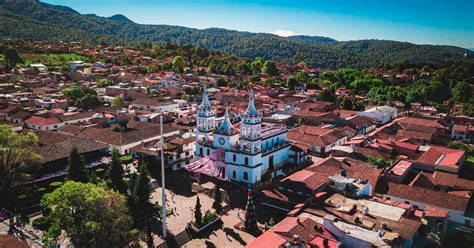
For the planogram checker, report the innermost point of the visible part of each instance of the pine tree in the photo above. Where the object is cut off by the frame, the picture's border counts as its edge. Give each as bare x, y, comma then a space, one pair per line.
250, 219
116, 173
197, 212
217, 205
77, 166
142, 190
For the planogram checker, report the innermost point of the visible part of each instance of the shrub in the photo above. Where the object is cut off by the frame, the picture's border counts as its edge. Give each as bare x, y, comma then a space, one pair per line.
208, 217
127, 159
55, 184
42, 223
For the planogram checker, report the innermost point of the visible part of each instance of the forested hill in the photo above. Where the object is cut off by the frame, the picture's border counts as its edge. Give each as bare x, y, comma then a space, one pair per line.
30, 19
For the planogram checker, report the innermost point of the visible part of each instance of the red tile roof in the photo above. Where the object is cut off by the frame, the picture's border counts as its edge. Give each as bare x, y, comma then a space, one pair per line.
443, 156
435, 212
419, 122
307, 229
41, 121
427, 196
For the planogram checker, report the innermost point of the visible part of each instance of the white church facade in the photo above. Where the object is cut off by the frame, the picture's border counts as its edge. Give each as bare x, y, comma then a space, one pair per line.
250, 152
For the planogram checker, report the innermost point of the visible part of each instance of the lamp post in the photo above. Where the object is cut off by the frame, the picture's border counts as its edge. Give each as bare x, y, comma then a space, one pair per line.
163, 195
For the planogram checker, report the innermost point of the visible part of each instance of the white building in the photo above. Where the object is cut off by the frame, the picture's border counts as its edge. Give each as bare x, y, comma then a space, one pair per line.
382, 114
250, 153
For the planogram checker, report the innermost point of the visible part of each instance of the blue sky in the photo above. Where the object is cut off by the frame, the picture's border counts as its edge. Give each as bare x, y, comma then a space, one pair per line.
447, 22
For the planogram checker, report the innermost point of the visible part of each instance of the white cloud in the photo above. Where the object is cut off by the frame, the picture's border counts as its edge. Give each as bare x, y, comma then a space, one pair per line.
284, 33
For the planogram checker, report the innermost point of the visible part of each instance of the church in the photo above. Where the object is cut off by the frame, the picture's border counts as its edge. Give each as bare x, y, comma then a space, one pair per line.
248, 152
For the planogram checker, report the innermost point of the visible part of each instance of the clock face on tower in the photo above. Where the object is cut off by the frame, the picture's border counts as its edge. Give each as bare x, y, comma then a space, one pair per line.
221, 141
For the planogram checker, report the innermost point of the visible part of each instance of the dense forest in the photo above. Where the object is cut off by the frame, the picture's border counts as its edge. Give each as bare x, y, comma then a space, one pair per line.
30, 19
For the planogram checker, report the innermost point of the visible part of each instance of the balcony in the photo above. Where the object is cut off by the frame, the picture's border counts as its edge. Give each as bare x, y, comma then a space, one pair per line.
276, 147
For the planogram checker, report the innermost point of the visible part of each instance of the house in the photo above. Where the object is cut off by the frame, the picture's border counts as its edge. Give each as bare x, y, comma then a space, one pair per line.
178, 152
123, 141
362, 124
54, 148
463, 132
154, 104
319, 139
318, 106
302, 185
421, 131
398, 172
421, 198
382, 114
296, 232
366, 222
349, 186
52, 120
76, 65
441, 158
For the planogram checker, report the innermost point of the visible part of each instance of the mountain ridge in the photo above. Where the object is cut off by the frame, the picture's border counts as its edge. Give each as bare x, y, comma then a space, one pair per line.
42, 21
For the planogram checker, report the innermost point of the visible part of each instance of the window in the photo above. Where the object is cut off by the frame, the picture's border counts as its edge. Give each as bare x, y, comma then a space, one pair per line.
246, 161
234, 157
208, 151
246, 176
187, 153
200, 151
234, 175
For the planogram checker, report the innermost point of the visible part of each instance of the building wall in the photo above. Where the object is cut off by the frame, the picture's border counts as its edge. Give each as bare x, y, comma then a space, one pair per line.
163, 108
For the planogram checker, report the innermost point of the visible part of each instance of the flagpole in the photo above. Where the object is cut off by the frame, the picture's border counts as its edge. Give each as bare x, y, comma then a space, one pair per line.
163, 195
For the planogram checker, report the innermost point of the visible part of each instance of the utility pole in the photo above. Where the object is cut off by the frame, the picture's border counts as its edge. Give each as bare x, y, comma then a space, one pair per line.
163, 196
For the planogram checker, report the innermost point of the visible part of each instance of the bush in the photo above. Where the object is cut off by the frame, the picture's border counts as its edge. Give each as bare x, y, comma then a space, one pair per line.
127, 159
208, 217
99, 170
40, 190
42, 223
55, 184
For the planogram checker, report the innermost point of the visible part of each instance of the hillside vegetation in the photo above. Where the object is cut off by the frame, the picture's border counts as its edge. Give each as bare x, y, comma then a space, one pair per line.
30, 19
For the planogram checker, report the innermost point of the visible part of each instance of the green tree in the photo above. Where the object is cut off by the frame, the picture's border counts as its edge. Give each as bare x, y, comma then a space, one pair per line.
91, 215
269, 67
89, 102
15, 150
244, 69
379, 162
11, 58
178, 64
73, 93
302, 77
197, 212
461, 92
118, 102
141, 192
347, 103
217, 205
291, 82
116, 173
327, 96
76, 167
256, 65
